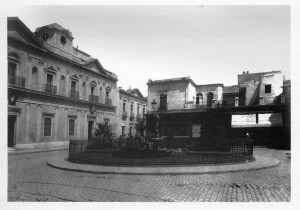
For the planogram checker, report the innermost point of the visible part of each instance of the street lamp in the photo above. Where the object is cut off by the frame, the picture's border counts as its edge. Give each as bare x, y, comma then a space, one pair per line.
156, 117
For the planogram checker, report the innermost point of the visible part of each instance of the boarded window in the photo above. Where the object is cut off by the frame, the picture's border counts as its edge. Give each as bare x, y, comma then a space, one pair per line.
47, 126
71, 127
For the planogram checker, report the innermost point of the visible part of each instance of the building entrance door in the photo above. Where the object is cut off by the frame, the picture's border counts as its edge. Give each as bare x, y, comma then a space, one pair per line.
90, 129
11, 130
210, 97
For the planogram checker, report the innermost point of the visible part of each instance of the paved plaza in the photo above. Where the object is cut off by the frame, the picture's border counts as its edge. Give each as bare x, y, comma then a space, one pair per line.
31, 179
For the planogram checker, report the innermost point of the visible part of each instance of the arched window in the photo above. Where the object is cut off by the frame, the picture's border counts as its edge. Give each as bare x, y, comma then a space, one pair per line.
210, 97
62, 85
83, 91
199, 98
34, 78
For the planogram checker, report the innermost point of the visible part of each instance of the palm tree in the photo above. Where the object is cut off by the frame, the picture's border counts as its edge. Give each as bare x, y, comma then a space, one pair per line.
140, 127
103, 131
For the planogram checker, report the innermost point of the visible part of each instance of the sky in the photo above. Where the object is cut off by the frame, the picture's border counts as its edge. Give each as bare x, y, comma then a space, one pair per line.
211, 44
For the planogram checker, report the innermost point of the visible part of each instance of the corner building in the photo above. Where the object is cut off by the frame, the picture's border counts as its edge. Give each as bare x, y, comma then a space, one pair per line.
56, 92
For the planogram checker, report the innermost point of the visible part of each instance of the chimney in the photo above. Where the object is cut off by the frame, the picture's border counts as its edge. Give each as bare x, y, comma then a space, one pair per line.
243, 72
247, 72
129, 88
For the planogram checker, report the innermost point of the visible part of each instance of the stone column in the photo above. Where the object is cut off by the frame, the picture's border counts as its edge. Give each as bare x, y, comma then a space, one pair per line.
80, 91
78, 123
39, 123
57, 81
85, 135
41, 81
66, 123
56, 123
29, 74
27, 123
68, 83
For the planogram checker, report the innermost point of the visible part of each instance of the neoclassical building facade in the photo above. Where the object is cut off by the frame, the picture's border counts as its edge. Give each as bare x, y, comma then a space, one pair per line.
56, 92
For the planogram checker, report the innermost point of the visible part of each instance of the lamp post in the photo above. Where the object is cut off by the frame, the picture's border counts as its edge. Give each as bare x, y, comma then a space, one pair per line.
156, 116
153, 105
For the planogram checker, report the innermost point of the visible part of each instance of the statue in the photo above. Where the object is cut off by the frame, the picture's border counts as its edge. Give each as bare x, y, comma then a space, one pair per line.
156, 116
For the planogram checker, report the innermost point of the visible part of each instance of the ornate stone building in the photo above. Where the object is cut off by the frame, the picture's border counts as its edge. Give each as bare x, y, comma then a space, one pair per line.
56, 91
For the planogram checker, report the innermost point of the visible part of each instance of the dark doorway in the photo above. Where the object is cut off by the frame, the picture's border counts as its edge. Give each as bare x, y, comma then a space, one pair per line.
90, 129
163, 102
11, 130
12, 73
210, 97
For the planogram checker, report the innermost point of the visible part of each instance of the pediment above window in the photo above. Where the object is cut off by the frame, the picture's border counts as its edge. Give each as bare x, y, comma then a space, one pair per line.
51, 69
74, 77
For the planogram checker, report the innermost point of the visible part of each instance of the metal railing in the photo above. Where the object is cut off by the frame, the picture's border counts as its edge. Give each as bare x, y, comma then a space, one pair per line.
93, 98
131, 116
138, 116
49, 88
108, 101
74, 94
162, 108
124, 115
17, 81
214, 151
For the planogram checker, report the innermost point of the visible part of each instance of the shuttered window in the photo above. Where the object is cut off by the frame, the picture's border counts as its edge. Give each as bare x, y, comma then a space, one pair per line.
47, 126
71, 127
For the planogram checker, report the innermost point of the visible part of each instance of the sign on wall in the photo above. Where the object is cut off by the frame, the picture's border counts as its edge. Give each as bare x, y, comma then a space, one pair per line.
245, 120
263, 120
196, 131
270, 119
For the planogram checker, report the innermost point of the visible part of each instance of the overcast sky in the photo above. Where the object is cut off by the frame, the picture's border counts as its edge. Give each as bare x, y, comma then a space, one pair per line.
211, 44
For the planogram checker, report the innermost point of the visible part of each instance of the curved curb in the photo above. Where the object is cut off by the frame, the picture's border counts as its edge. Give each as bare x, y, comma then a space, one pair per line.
261, 162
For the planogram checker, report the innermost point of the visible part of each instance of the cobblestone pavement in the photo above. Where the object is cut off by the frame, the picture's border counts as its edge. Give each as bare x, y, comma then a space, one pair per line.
31, 179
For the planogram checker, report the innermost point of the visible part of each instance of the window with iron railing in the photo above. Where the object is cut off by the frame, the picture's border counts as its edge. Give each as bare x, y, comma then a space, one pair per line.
124, 115
93, 98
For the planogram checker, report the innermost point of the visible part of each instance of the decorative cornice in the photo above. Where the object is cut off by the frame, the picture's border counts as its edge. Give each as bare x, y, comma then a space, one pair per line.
41, 62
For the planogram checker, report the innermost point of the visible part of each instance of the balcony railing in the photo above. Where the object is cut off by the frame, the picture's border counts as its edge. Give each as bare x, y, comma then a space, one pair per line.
50, 89
131, 116
124, 115
16, 80
108, 101
93, 98
138, 116
74, 94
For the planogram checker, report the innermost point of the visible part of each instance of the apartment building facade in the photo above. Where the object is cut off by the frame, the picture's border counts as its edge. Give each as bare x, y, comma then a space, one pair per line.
56, 92
131, 109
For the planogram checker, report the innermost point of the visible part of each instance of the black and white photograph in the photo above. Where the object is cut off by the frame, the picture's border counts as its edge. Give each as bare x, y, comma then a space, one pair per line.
147, 103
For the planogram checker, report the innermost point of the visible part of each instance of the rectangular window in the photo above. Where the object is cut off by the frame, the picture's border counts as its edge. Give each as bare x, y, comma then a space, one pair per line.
73, 85
123, 131
107, 94
71, 127
106, 121
49, 79
124, 106
268, 88
138, 109
163, 102
47, 126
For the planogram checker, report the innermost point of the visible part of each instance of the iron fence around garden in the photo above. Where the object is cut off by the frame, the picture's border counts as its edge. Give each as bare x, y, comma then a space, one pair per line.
216, 151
